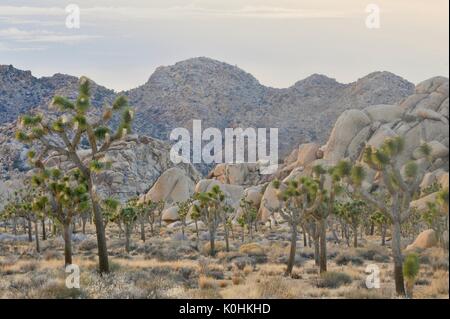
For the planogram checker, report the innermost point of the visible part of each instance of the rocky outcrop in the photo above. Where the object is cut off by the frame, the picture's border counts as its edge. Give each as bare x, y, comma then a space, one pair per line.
419, 118
173, 186
136, 164
244, 174
233, 193
424, 240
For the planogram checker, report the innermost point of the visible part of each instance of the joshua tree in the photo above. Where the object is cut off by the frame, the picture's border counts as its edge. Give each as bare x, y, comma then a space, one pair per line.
110, 206
195, 216
19, 208
353, 212
327, 206
249, 213
410, 271
141, 213
227, 224
209, 206
128, 216
299, 199
63, 197
160, 207
382, 221
436, 216
242, 222
400, 184
63, 134
183, 211
150, 208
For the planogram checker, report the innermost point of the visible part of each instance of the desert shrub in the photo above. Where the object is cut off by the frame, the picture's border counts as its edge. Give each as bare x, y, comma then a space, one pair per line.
381, 258
206, 282
252, 249
52, 254
8, 261
58, 290
307, 253
236, 279
373, 253
439, 261
277, 288
439, 285
423, 282
333, 280
248, 269
411, 266
311, 271
88, 244
345, 258
204, 294
219, 246
28, 266
364, 293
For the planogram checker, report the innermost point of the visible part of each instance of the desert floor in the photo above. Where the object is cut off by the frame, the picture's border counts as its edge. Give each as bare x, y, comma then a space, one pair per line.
166, 267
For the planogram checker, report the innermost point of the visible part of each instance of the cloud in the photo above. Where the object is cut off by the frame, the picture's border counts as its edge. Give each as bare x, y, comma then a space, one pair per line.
6, 48
31, 11
42, 36
193, 9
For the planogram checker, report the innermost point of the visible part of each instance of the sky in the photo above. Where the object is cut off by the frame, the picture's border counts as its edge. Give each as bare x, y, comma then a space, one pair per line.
120, 43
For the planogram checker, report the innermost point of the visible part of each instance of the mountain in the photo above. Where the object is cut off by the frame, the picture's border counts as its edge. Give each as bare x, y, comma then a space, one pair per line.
222, 96
219, 94
20, 91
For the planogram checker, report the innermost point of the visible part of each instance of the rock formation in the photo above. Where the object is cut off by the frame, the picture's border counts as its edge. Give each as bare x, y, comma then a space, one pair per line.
420, 118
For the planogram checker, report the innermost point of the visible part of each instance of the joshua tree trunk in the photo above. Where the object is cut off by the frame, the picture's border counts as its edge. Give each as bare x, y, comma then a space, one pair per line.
410, 288
305, 242
196, 229
291, 260
212, 247
315, 235
100, 230
54, 229
143, 231
14, 226
355, 237
127, 237
44, 231
323, 246
83, 225
67, 229
36, 233
30, 235
227, 242
398, 258
152, 231
316, 251
309, 240
383, 235
372, 229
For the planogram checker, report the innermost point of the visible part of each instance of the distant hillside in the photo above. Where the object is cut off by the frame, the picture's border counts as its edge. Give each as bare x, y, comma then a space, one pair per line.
220, 94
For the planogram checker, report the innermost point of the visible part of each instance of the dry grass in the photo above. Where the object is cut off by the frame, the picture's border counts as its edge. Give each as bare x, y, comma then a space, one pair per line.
439, 287
164, 268
207, 282
252, 249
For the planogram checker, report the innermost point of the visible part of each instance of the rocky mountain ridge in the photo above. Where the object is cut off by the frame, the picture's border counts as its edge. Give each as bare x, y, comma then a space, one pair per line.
219, 94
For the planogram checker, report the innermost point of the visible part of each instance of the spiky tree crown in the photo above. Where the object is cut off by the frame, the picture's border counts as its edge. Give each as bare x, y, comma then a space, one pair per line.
74, 120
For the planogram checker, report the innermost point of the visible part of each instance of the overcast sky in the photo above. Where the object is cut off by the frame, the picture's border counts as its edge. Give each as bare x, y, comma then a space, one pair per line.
120, 43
